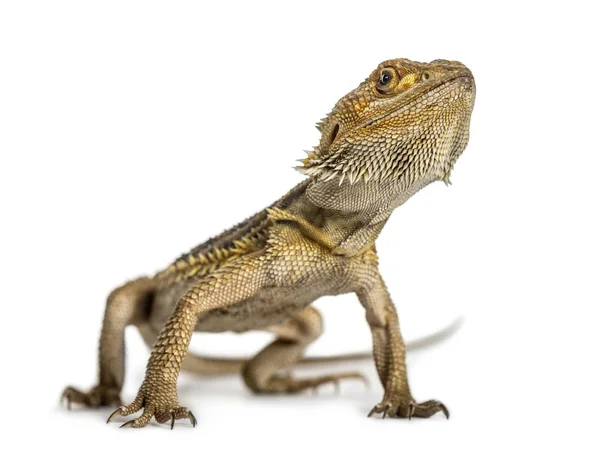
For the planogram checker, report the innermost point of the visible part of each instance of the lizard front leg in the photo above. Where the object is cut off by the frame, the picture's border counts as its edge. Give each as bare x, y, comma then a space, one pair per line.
390, 354
157, 395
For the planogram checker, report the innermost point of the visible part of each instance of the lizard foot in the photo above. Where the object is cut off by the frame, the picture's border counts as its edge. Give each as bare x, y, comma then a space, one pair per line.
162, 413
97, 397
288, 384
397, 408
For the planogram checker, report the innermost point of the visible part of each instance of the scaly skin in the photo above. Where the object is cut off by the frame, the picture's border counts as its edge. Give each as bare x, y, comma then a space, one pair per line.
401, 129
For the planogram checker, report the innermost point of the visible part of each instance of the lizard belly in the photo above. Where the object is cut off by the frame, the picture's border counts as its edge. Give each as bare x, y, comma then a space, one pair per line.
268, 307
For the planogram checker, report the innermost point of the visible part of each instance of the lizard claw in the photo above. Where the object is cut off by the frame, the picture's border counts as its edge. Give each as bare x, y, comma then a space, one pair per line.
128, 424
445, 411
116, 413
65, 397
409, 409
373, 410
192, 419
151, 411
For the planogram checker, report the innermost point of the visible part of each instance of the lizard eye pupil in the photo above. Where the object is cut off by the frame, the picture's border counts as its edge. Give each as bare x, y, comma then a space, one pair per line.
387, 81
385, 78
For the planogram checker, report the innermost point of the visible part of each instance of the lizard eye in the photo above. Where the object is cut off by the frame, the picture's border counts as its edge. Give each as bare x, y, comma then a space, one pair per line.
384, 78
388, 80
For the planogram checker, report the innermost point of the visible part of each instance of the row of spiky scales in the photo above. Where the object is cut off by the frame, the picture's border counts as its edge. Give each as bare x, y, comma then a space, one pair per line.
211, 258
244, 238
405, 161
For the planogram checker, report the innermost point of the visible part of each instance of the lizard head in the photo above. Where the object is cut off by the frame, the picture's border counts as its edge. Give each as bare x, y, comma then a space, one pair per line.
408, 121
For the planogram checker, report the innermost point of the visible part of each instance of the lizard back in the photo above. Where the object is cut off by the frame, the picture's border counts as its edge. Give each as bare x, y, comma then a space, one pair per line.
244, 238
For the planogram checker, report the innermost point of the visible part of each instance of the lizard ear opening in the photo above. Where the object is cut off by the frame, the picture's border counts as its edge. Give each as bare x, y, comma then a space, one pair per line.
333, 134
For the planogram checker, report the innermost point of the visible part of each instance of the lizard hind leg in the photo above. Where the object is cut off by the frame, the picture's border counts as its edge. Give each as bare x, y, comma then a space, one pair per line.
263, 373
126, 305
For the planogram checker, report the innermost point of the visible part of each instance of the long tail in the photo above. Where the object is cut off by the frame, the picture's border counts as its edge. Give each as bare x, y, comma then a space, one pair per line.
212, 366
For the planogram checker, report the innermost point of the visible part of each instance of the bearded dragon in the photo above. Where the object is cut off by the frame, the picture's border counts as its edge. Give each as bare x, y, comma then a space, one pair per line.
401, 129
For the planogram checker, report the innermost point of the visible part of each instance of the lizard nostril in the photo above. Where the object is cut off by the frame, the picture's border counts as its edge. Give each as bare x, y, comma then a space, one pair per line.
426, 76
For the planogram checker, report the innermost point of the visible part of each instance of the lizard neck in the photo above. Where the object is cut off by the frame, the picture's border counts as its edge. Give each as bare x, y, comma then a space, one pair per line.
353, 215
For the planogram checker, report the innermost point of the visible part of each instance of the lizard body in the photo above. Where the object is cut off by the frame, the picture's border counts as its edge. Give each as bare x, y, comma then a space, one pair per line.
401, 129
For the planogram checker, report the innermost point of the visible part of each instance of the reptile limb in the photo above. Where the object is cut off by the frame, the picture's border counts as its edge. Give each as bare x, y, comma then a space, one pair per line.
262, 374
125, 306
390, 356
158, 394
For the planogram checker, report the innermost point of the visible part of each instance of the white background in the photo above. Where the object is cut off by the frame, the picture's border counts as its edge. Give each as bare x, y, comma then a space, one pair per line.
132, 131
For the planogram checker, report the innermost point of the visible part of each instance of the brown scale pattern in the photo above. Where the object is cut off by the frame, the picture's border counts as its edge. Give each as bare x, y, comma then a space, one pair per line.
401, 129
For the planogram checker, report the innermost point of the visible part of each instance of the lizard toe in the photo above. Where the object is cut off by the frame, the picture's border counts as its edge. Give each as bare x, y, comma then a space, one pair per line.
99, 396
